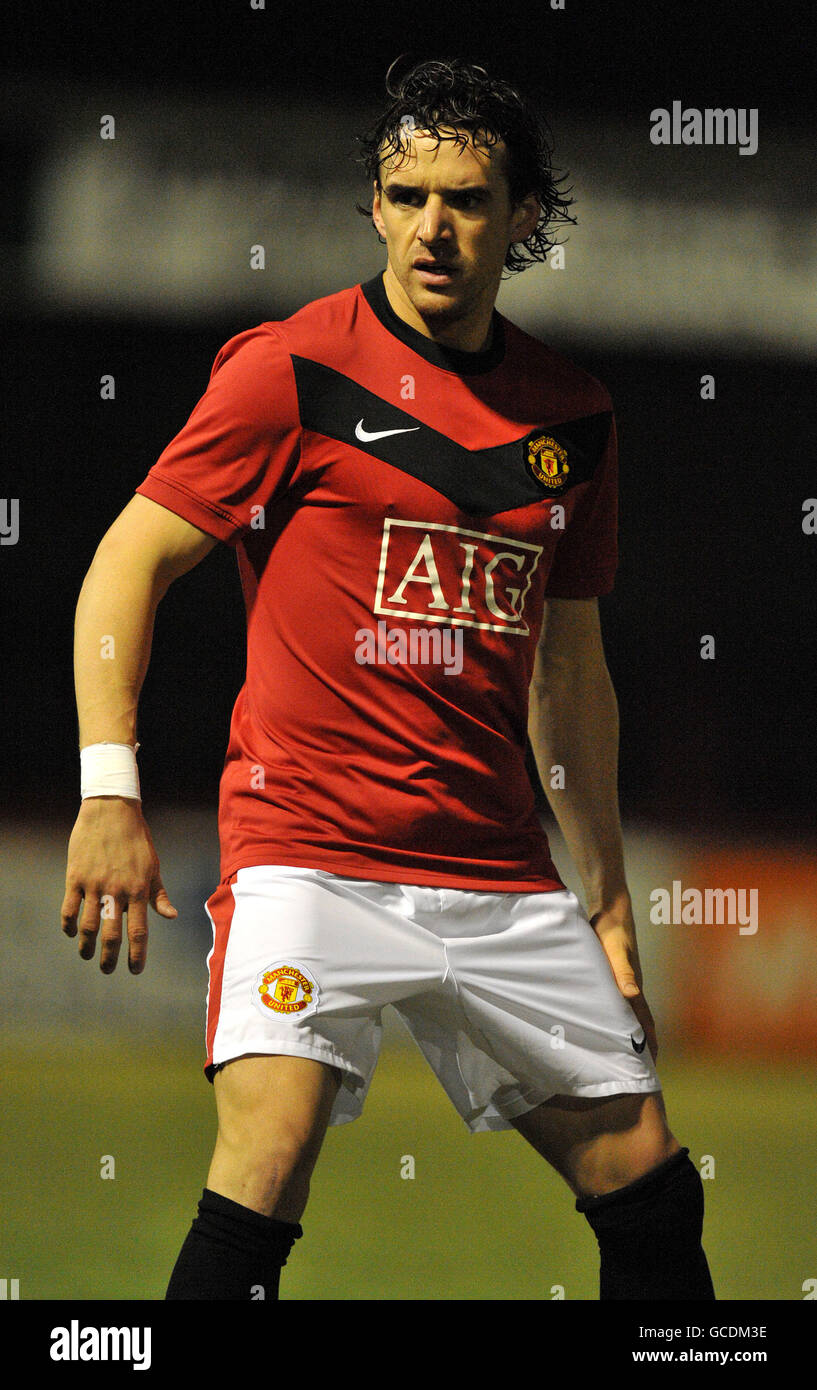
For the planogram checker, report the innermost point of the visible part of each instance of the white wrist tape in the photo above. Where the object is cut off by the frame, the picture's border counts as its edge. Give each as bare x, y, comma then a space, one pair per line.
109, 769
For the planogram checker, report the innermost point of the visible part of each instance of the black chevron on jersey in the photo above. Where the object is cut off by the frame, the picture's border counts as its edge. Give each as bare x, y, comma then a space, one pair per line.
480, 482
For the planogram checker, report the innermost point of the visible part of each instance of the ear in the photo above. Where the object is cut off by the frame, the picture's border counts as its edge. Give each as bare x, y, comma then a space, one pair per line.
525, 217
377, 216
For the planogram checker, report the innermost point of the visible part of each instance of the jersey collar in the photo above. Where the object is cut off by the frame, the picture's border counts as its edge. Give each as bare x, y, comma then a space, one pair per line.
450, 359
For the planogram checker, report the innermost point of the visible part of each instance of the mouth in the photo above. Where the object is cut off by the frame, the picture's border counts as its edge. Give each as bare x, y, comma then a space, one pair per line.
434, 272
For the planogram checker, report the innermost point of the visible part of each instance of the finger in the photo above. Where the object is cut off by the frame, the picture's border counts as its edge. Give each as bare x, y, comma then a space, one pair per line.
137, 935
623, 972
110, 937
69, 912
89, 926
159, 900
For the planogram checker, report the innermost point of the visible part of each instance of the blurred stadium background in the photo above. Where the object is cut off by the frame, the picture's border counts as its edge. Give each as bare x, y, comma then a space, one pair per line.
130, 258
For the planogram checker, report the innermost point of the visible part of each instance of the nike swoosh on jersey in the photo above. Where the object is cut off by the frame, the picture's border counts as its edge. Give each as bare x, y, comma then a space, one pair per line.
366, 436
638, 1047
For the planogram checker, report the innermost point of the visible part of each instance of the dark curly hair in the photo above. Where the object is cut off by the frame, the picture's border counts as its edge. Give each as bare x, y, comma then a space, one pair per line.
449, 93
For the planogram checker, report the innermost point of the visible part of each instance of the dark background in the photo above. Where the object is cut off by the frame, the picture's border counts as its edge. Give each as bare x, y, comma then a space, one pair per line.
711, 491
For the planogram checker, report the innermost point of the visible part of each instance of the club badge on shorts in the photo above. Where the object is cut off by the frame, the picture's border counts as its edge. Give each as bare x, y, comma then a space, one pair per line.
286, 990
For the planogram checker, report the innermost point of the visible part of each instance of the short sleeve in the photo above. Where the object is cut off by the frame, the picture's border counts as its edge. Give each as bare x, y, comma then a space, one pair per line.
586, 557
240, 446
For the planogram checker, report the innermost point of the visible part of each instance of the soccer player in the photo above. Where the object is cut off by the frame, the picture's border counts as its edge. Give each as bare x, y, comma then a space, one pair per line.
422, 499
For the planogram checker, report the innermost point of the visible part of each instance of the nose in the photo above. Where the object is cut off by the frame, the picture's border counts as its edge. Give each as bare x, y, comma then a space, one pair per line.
433, 225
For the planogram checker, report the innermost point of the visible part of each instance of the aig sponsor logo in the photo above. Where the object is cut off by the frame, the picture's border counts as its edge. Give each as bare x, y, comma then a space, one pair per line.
446, 574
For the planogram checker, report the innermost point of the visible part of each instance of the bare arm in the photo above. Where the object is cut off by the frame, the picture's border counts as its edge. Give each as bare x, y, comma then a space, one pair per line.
112, 863
573, 723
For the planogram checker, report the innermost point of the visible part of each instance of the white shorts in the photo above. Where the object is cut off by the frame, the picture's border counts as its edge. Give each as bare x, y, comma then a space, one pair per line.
509, 996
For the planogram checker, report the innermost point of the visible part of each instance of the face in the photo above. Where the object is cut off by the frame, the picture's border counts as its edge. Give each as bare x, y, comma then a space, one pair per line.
446, 215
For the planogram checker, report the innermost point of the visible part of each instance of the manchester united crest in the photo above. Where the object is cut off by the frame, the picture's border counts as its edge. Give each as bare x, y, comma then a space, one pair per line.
286, 989
547, 461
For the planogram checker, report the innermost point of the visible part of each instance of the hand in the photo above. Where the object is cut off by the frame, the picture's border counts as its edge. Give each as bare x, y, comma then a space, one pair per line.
615, 929
111, 855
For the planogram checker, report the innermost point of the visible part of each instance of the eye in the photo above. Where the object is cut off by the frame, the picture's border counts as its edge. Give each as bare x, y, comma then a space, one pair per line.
403, 196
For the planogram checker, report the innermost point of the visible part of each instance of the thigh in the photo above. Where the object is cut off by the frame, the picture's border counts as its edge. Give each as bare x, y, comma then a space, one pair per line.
274, 1094
273, 1113
600, 1144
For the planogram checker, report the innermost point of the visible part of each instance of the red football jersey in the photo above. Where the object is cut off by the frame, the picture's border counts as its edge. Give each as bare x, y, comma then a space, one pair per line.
399, 510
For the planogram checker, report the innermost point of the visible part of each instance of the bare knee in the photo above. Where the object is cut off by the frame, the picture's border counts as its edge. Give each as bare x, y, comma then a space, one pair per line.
600, 1145
272, 1118
622, 1155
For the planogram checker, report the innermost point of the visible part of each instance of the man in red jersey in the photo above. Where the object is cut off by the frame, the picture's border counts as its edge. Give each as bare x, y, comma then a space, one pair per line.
422, 499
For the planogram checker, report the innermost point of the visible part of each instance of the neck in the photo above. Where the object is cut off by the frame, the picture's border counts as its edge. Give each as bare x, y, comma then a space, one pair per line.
472, 333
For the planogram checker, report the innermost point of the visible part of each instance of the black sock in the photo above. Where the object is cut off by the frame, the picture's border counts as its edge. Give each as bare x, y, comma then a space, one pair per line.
231, 1253
649, 1235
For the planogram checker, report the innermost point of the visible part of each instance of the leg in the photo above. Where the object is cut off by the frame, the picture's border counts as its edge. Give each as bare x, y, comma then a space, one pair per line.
272, 1118
601, 1144
637, 1187
273, 1112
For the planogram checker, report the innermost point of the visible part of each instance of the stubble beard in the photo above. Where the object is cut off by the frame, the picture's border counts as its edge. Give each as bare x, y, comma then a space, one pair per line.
441, 312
